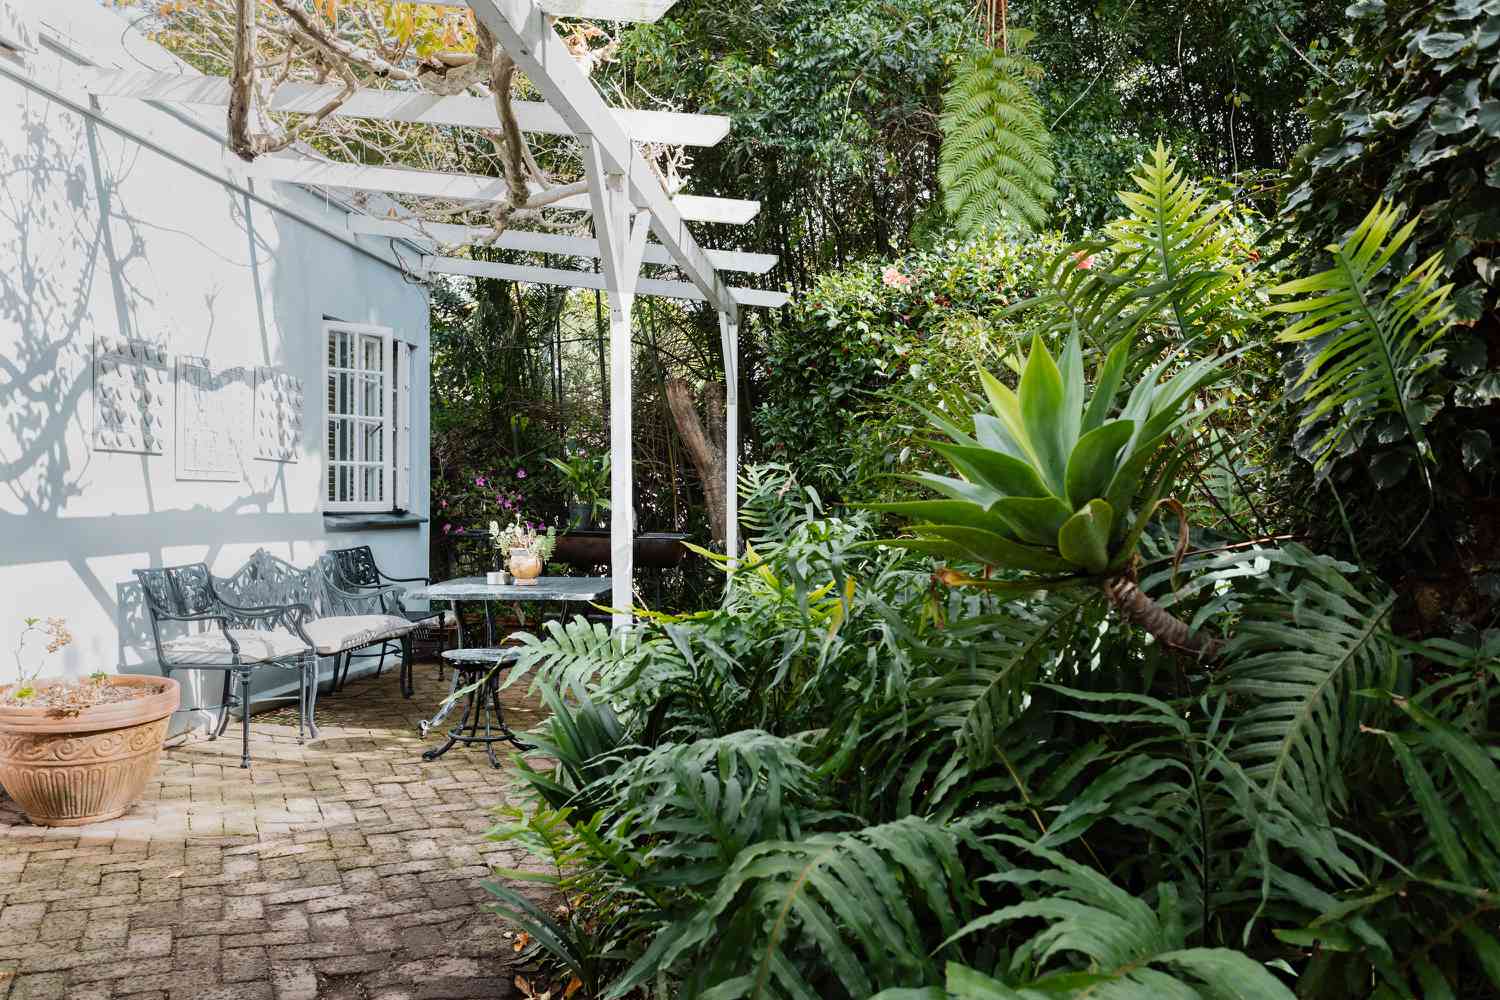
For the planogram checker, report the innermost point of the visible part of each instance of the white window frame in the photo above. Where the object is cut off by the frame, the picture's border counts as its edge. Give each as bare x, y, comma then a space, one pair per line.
388, 462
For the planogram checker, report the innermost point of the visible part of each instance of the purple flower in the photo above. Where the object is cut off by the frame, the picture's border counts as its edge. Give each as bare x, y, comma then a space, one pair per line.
447, 527
479, 481
520, 473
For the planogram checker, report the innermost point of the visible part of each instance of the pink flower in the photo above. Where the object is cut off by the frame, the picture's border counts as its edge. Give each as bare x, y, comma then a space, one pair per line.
443, 503
447, 527
520, 473
479, 481
1084, 263
893, 278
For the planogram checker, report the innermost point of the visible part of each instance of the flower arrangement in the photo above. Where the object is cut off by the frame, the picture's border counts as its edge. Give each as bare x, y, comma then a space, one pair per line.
526, 536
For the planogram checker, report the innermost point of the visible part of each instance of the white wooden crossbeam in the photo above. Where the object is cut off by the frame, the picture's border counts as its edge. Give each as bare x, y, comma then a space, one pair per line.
434, 264
525, 31
638, 11
528, 241
458, 187
642, 11
667, 127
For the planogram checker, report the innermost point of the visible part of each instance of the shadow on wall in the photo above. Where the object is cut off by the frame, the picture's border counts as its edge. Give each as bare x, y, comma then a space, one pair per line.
68, 228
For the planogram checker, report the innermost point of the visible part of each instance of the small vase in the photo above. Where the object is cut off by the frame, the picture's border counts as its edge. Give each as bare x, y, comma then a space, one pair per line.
497, 578
524, 566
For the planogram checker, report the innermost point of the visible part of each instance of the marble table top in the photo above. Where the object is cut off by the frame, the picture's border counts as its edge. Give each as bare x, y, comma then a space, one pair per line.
546, 588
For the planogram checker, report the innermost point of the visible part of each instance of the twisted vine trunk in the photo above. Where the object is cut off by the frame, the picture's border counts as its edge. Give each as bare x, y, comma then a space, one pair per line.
1137, 608
706, 454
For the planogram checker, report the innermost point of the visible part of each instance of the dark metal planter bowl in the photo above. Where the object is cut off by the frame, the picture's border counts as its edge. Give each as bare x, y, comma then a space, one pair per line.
658, 549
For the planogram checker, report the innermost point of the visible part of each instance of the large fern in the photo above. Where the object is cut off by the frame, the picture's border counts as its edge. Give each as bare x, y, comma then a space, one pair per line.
1301, 653
1368, 337
829, 915
1166, 261
1097, 941
996, 165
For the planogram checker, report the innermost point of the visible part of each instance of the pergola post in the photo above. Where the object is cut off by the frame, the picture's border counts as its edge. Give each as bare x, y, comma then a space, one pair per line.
621, 247
729, 334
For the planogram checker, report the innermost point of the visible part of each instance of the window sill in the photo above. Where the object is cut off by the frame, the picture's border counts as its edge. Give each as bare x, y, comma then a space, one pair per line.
370, 521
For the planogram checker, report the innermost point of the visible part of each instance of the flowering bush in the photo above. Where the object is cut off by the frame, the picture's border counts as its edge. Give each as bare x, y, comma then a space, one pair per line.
481, 496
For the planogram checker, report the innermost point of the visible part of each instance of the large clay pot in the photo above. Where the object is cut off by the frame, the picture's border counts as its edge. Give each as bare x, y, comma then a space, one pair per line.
85, 768
524, 566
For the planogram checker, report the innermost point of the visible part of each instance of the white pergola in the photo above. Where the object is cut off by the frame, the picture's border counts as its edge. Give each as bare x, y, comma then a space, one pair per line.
625, 198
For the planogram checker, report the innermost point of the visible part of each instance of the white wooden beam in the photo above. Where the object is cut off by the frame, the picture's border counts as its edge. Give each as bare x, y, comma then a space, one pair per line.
640, 11
729, 334
620, 252
461, 110
746, 297
525, 31
456, 187
527, 241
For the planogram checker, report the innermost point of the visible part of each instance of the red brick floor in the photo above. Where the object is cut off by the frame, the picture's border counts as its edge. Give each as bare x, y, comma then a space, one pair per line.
346, 869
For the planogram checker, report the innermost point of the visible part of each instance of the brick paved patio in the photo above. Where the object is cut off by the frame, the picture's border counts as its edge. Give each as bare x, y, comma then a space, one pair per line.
347, 868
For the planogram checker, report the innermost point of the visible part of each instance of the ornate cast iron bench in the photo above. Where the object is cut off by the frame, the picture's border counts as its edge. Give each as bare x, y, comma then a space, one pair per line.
246, 639
355, 569
316, 616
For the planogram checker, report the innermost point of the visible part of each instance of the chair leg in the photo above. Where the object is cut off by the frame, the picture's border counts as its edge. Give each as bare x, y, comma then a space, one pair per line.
222, 722
245, 718
407, 687
312, 695
385, 648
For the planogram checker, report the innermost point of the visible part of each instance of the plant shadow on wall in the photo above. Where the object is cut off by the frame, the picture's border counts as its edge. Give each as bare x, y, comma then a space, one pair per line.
1077, 756
61, 195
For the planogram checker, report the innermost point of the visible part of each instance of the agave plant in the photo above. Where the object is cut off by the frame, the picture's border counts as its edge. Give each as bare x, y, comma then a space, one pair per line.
1051, 485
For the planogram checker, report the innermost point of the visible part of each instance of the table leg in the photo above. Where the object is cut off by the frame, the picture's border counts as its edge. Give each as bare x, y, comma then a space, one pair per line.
428, 725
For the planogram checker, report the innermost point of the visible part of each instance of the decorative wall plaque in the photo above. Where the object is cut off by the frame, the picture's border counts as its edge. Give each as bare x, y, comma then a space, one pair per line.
132, 386
278, 415
212, 411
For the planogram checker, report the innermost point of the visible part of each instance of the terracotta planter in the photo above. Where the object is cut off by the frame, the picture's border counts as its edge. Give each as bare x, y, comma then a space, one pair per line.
524, 566
85, 768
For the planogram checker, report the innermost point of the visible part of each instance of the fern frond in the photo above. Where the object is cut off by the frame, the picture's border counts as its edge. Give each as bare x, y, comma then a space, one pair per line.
1295, 663
996, 160
854, 908
1129, 950
1367, 347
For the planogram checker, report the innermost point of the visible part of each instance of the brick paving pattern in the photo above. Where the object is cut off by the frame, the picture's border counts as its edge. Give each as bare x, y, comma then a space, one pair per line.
345, 869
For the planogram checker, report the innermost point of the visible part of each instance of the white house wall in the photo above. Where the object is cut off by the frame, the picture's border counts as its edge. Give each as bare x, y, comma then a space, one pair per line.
102, 238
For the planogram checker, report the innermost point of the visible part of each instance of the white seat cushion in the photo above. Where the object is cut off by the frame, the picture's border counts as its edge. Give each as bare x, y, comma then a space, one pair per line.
335, 635
256, 646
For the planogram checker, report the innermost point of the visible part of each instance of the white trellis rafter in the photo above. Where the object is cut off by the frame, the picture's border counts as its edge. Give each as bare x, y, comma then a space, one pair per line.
624, 196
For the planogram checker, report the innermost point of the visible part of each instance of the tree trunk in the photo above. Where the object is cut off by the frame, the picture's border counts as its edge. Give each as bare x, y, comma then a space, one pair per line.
704, 446
242, 81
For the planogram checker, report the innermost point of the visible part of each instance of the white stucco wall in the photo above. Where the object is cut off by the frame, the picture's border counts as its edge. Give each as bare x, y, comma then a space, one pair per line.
100, 236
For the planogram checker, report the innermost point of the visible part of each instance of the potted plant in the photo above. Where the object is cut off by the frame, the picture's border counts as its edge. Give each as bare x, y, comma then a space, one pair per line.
528, 548
587, 477
77, 752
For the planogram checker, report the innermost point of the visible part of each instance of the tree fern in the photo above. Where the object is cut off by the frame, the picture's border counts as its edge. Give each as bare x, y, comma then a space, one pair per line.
1368, 338
996, 161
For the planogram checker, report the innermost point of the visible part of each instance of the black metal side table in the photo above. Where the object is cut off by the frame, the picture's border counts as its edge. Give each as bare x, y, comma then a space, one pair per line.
483, 719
